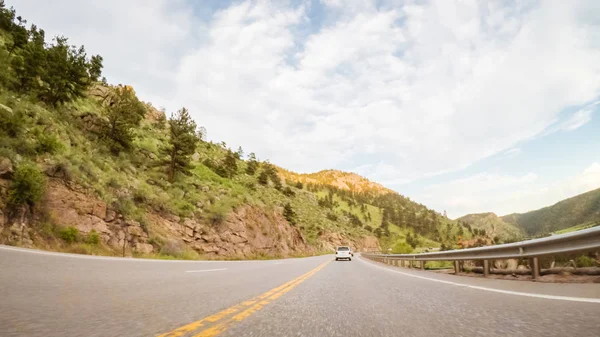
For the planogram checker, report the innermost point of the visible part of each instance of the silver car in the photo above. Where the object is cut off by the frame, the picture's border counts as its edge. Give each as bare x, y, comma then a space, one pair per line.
343, 253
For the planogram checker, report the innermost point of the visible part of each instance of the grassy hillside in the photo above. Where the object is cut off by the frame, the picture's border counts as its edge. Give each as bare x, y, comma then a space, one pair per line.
581, 210
60, 121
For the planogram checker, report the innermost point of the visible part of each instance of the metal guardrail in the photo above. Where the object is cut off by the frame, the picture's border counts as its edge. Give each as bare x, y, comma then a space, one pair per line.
580, 241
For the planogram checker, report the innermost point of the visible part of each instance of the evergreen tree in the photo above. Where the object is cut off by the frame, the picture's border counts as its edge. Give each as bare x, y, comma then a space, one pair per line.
252, 164
66, 75
228, 168
182, 142
288, 192
239, 153
19, 35
29, 64
124, 112
289, 214
263, 178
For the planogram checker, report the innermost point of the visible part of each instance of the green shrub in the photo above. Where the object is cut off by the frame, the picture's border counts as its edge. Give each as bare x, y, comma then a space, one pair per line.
585, 261
48, 143
156, 241
401, 247
93, 238
28, 185
438, 264
11, 122
217, 214
287, 191
126, 207
69, 234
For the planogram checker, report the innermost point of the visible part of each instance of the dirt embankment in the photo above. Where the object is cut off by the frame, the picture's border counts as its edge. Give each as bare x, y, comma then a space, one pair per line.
248, 232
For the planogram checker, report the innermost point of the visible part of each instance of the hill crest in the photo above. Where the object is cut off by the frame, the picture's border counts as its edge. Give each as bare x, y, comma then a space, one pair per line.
340, 179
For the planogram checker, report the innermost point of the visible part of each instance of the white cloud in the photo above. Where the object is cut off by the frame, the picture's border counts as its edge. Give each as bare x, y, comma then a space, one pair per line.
398, 92
577, 120
504, 194
513, 152
419, 89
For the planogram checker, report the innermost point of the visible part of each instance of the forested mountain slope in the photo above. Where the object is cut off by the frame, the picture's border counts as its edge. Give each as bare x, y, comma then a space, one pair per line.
583, 209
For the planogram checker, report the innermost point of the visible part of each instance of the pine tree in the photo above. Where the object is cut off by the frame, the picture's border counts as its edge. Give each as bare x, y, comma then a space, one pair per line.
263, 178
66, 74
229, 167
239, 153
182, 142
124, 111
289, 214
252, 164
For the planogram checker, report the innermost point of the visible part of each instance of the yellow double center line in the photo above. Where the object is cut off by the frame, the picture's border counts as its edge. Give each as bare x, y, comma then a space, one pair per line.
239, 312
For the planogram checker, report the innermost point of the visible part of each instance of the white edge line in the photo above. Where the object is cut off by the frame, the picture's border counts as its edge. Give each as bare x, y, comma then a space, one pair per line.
115, 258
549, 297
204, 270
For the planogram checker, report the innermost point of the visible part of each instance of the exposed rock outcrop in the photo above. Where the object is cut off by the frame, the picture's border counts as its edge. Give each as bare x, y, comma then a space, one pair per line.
247, 232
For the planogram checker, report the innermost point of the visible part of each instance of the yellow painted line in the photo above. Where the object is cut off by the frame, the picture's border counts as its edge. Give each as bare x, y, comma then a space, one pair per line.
254, 303
219, 328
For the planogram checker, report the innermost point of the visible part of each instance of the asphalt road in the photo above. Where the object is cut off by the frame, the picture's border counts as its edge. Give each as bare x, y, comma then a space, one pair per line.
46, 294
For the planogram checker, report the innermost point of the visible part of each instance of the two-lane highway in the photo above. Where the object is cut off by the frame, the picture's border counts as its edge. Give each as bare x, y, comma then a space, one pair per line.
47, 294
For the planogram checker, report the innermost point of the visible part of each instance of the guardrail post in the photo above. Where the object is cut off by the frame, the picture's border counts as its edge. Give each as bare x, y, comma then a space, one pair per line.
486, 268
535, 268
410, 264
456, 267
422, 265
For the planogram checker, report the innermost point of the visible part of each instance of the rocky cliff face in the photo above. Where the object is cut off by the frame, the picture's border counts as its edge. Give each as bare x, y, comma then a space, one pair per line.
247, 232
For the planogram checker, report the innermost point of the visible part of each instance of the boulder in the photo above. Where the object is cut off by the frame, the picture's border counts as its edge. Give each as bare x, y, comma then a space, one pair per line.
512, 264
136, 231
110, 215
99, 210
144, 248
172, 218
522, 267
500, 264
189, 223
212, 238
6, 168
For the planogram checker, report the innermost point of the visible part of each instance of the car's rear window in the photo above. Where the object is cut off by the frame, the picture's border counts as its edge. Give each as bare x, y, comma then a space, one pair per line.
343, 249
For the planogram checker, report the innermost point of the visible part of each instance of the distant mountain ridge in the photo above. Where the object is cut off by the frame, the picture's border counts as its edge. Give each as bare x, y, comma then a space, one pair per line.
575, 211
580, 209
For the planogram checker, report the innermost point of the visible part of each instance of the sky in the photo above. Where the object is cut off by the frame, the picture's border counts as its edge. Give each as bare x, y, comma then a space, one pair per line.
465, 106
